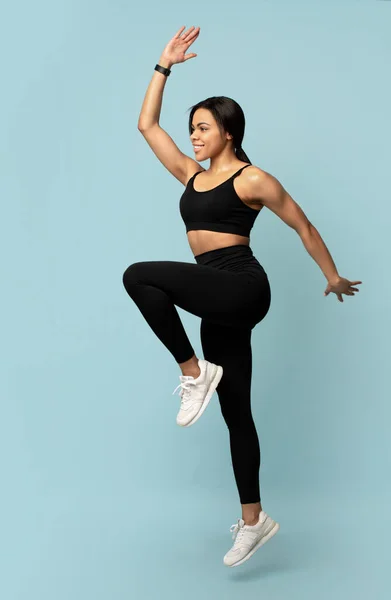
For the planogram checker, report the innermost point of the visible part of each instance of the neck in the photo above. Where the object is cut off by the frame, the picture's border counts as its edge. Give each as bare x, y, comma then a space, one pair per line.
224, 162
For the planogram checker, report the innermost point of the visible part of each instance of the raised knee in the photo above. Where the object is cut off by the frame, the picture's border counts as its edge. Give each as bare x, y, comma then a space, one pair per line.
131, 274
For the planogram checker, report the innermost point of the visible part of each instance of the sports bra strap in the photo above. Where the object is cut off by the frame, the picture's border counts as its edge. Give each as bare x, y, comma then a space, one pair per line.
240, 170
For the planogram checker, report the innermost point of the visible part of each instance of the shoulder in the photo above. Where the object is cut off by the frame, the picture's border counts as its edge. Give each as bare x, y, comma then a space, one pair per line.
253, 179
193, 167
255, 174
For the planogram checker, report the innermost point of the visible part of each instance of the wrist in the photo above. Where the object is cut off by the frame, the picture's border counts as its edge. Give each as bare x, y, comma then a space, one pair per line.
334, 279
164, 62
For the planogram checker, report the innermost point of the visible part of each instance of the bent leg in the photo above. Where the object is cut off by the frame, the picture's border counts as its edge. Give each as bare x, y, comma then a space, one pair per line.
221, 296
159, 311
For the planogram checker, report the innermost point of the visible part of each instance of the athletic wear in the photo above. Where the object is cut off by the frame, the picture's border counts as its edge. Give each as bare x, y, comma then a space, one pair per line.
219, 209
248, 538
196, 393
230, 292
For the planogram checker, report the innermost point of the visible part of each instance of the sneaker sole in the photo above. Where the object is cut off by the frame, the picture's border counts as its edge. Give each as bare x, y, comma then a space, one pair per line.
213, 385
262, 541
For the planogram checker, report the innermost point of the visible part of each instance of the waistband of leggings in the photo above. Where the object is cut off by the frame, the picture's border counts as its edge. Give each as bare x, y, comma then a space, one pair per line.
236, 249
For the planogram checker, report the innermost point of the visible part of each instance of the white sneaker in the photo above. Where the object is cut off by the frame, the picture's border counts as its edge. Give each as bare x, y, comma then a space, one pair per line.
196, 393
248, 538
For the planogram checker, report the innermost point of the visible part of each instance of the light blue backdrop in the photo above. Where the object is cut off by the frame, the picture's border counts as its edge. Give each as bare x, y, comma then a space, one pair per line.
102, 494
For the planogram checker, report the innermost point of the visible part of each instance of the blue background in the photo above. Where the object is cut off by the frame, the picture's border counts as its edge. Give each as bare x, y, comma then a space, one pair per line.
102, 494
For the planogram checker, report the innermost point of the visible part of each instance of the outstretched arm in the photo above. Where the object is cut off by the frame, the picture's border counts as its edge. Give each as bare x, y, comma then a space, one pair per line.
272, 194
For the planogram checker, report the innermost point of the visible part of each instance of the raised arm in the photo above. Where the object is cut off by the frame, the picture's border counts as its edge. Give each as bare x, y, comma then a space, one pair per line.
160, 142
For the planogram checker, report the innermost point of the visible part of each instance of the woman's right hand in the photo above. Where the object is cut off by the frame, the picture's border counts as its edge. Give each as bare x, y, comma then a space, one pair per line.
175, 50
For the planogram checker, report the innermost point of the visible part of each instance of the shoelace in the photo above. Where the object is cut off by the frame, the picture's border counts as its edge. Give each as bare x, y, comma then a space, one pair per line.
238, 531
184, 392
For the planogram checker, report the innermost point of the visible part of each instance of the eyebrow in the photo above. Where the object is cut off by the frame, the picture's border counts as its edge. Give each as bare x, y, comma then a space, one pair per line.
202, 123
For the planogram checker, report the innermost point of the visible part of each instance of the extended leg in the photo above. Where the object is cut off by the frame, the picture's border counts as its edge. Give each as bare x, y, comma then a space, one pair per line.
231, 348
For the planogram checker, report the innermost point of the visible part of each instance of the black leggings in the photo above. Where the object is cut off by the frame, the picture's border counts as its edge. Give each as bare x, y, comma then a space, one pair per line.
229, 290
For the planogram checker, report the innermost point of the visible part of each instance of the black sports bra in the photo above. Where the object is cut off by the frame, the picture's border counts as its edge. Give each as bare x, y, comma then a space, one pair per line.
219, 209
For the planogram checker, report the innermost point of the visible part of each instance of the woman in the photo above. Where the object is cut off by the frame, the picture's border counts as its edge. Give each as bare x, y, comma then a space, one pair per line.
227, 287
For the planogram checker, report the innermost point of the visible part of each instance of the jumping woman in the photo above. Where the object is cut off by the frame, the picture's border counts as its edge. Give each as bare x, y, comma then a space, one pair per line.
226, 286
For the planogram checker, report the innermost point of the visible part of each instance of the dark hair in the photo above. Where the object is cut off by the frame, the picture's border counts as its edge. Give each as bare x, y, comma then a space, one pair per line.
229, 117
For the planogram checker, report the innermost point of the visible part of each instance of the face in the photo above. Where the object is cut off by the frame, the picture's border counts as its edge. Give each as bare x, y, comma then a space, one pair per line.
206, 133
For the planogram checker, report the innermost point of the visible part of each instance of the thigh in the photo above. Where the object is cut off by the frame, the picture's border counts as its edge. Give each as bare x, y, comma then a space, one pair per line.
219, 295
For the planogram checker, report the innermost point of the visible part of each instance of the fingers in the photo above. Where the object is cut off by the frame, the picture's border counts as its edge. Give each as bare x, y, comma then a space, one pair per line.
190, 37
178, 33
190, 33
349, 292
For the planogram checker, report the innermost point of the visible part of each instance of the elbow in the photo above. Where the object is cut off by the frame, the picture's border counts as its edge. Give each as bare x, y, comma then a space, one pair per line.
143, 127
305, 229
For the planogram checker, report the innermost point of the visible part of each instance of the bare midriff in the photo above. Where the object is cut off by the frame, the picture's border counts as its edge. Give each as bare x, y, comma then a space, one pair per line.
203, 241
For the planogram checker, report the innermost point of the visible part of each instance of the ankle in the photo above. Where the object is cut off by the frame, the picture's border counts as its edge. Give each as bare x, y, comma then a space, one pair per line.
251, 522
191, 367
192, 372
251, 516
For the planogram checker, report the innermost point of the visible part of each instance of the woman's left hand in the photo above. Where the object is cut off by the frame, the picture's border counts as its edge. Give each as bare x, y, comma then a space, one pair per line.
340, 286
